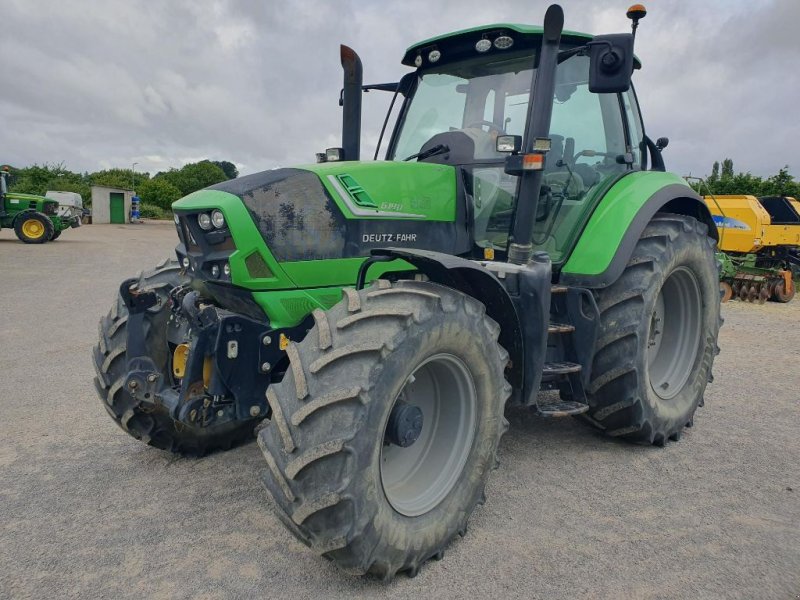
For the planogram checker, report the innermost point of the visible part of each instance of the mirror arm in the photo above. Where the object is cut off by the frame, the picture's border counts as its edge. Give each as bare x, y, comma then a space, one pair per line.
565, 54
582, 50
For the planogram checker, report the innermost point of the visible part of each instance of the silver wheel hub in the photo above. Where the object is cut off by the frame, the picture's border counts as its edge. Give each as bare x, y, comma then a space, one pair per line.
673, 339
418, 476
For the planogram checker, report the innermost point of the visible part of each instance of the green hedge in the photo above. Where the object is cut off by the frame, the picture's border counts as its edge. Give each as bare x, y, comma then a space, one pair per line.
154, 212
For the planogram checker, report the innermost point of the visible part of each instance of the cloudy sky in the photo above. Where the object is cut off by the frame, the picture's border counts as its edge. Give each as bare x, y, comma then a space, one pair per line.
105, 84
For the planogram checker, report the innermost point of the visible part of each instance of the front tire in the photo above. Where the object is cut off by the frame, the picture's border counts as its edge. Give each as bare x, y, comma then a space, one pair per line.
152, 424
341, 471
33, 228
657, 337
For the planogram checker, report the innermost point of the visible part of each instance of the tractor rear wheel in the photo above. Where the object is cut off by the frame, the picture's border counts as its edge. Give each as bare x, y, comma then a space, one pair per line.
33, 228
154, 426
386, 425
658, 334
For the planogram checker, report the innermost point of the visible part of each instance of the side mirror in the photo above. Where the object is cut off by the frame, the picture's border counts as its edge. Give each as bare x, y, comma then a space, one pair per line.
610, 63
662, 143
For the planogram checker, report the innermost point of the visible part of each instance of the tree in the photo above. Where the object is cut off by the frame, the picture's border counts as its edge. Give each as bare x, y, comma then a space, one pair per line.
194, 176
727, 168
119, 178
781, 184
38, 179
714, 177
158, 192
230, 170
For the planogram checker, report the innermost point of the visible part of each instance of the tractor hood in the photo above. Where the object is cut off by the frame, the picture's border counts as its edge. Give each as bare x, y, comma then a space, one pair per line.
330, 211
26, 198
343, 209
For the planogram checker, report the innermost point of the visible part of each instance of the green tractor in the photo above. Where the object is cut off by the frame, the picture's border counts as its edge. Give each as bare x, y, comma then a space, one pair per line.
374, 319
34, 219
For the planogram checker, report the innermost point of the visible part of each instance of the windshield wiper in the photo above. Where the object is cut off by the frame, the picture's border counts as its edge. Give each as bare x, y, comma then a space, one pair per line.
437, 149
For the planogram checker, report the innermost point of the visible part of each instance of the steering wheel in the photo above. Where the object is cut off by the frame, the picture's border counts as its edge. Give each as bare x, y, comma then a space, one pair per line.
491, 124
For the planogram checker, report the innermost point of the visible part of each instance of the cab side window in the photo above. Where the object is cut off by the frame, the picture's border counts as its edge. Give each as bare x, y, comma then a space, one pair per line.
588, 148
586, 131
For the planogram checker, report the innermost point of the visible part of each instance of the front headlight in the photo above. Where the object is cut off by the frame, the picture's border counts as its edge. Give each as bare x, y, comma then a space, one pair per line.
218, 219
176, 218
204, 221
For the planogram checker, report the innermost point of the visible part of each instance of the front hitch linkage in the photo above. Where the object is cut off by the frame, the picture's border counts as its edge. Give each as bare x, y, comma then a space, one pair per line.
144, 380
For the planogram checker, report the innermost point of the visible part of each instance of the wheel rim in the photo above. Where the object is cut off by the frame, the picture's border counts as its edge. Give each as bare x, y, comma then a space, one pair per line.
32, 228
674, 336
417, 478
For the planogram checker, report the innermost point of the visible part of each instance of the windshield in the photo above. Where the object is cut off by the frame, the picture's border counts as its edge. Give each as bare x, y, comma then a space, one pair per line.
479, 97
464, 107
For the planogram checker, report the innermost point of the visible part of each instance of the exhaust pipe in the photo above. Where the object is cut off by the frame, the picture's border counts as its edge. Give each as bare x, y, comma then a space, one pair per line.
351, 103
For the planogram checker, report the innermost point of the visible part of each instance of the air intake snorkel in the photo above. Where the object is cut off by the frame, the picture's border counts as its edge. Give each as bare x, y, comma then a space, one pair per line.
351, 103
530, 164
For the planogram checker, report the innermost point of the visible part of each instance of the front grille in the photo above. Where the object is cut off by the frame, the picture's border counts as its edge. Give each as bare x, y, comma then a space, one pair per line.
204, 250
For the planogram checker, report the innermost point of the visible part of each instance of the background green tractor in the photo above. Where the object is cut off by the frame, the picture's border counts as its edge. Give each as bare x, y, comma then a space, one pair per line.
34, 219
522, 249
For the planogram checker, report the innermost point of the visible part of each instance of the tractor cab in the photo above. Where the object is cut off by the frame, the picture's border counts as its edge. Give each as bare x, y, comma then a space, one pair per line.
469, 105
471, 112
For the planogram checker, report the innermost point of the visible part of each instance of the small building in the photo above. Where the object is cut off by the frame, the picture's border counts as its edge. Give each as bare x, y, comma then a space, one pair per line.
111, 205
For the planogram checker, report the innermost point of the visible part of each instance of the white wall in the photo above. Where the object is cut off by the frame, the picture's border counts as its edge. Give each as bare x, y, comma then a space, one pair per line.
101, 203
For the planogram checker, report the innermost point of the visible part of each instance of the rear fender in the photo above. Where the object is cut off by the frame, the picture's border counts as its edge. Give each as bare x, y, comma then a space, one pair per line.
607, 242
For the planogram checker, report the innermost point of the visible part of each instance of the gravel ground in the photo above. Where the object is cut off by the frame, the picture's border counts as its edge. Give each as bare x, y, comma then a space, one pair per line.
87, 512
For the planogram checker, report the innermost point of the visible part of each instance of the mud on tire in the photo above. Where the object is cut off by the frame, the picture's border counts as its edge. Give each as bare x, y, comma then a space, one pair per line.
325, 442
154, 426
622, 397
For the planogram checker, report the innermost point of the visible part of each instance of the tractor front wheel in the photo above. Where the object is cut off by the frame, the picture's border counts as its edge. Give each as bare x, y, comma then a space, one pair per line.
658, 334
386, 426
153, 424
33, 228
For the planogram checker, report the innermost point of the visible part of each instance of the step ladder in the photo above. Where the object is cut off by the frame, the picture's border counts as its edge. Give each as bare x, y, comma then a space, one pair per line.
562, 375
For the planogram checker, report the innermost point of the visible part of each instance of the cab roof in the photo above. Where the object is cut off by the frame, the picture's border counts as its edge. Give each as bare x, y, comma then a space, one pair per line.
461, 44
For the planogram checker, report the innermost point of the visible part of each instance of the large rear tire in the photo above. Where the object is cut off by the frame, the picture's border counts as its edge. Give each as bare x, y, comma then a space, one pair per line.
658, 334
345, 472
153, 425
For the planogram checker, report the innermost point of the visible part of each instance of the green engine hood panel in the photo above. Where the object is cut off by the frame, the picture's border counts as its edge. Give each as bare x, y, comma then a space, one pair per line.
27, 198
390, 190
313, 225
